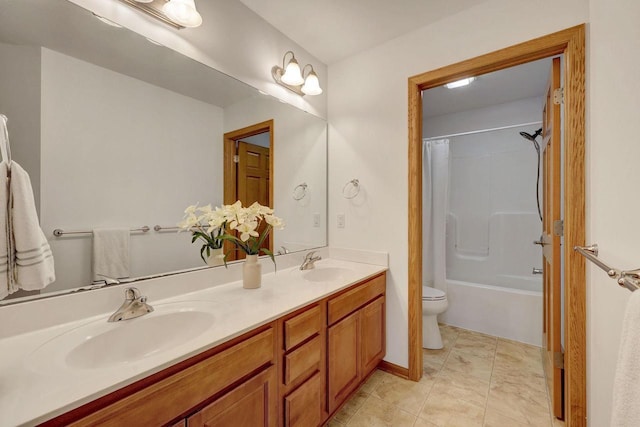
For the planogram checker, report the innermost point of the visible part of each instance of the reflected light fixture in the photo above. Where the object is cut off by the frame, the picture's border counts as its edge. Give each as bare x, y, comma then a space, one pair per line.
460, 83
177, 13
291, 77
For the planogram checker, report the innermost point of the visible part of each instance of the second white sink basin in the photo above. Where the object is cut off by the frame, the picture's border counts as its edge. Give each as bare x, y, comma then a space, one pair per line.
100, 344
326, 274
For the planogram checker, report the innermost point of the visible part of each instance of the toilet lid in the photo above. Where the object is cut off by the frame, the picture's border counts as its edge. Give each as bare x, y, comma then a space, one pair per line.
432, 294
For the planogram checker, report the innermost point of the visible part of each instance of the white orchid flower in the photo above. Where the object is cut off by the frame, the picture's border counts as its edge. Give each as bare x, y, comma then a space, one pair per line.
247, 230
274, 221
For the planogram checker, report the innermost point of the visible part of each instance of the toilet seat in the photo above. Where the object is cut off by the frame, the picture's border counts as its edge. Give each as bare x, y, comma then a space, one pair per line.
432, 294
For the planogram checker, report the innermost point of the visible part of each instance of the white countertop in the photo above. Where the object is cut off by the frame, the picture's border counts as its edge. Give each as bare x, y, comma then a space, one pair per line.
32, 392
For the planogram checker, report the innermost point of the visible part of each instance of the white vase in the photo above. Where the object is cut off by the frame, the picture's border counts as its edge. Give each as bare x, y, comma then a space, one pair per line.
214, 259
251, 272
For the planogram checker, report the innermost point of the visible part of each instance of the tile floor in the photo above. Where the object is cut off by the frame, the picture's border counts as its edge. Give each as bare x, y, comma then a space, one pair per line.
475, 380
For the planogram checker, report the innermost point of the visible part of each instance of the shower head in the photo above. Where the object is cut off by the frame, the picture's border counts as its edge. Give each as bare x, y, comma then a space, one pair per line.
530, 137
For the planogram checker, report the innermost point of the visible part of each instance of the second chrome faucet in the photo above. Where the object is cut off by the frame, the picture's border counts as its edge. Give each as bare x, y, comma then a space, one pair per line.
309, 260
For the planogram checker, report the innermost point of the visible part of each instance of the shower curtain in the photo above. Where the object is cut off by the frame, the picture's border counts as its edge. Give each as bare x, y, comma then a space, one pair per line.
435, 205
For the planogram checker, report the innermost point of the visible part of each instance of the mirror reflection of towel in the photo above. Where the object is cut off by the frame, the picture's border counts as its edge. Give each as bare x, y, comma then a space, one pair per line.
26, 259
111, 253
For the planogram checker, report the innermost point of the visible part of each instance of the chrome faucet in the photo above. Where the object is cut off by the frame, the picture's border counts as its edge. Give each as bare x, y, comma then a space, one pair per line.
309, 260
537, 271
134, 305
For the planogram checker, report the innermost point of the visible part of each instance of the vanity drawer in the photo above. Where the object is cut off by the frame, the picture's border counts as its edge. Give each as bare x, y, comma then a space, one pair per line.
303, 360
303, 407
355, 298
299, 328
162, 401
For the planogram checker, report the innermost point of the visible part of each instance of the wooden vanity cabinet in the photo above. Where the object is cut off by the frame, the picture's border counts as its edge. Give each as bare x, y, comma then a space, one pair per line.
356, 338
251, 404
293, 372
303, 367
217, 385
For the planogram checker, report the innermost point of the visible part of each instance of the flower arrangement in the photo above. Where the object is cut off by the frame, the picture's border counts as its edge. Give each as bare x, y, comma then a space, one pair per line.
220, 222
205, 225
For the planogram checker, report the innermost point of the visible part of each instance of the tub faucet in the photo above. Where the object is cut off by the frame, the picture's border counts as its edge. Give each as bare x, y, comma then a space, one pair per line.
309, 260
134, 305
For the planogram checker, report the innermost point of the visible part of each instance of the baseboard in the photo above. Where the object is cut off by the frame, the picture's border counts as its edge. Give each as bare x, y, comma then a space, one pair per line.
394, 369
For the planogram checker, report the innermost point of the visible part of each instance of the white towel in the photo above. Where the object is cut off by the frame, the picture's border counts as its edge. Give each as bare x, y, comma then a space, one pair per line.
6, 278
34, 267
110, 253
626, 386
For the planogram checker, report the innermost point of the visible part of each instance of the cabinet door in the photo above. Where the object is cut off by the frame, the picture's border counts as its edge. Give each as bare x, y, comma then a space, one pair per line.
251, 404
303, 407
343, 355
372, 338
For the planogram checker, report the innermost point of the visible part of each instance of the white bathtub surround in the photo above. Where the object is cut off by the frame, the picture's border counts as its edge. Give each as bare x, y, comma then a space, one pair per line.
495, 310
234, 309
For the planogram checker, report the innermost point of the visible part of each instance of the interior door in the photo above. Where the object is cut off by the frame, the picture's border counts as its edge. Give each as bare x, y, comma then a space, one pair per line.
253, 180
553, 354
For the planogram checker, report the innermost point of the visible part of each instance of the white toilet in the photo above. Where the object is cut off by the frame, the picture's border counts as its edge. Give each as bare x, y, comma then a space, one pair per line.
434, 302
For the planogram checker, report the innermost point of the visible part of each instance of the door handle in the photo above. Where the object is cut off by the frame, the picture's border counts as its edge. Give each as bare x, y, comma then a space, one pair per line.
537, 271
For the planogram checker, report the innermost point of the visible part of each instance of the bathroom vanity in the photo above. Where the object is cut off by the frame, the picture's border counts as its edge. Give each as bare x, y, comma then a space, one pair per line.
294, 371
287, 354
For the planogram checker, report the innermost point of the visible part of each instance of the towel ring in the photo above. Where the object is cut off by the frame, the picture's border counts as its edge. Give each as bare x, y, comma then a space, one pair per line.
300, 191
355, 183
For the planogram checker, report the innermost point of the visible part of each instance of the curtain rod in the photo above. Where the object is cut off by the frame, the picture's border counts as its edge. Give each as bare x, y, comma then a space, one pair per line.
431, 138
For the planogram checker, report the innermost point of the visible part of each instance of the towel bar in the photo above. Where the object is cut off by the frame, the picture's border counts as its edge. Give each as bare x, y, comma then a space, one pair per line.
629, 279
59, 232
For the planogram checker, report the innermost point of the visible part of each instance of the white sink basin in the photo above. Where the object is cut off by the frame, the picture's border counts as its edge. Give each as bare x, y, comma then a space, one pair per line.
326, 274
100, 344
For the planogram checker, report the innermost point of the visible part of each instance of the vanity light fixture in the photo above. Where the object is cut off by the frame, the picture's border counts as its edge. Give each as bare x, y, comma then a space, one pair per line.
294, 79
177, 13
460, 83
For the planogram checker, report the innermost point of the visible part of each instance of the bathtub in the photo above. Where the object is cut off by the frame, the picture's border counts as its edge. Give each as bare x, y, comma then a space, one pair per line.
514, 313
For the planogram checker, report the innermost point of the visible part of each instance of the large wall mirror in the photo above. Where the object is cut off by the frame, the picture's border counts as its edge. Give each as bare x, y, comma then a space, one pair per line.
116, 131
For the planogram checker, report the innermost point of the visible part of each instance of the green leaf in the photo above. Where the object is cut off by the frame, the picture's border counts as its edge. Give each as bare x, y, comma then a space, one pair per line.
268, 252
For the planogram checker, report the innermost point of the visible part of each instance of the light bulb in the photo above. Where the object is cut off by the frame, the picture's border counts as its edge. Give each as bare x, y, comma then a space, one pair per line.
460, 83
183, 12
312, 84
292, 75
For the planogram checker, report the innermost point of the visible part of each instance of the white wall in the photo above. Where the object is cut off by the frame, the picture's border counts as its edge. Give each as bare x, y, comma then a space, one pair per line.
368, 127
20, 102
232, 39
300, 155
122, 162
612, 154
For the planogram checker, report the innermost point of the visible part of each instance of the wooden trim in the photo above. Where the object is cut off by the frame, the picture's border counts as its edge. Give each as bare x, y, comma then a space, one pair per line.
571, 43
574, 234
394, 369
229, 188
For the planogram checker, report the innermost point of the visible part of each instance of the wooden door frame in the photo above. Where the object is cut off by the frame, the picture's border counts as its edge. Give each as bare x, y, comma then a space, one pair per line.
229, 148
230, 190
571, 43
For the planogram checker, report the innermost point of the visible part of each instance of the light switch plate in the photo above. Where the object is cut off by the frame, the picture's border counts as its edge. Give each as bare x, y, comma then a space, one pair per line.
340, 220
316, 220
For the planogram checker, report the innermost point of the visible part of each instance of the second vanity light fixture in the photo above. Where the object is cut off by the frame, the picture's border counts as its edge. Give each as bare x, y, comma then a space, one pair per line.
294, 79
177, 13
